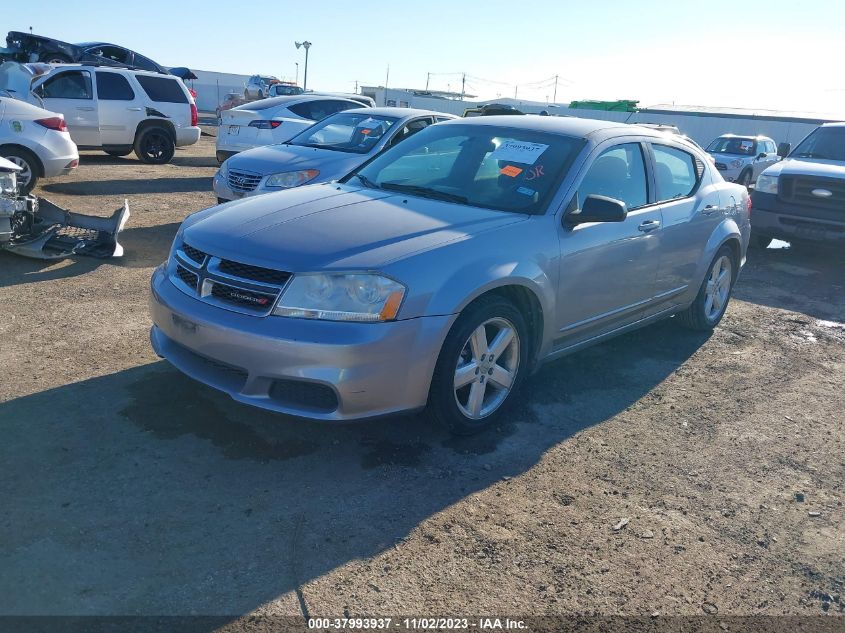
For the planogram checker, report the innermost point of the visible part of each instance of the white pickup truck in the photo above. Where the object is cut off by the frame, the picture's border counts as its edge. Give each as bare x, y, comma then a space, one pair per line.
802, 198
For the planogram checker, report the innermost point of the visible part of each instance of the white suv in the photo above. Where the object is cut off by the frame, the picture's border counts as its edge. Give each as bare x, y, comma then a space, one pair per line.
120, 110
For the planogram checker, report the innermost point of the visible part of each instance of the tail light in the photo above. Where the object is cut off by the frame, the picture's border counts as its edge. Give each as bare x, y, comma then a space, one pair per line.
748, 205
265, 125
194, 115
53, 123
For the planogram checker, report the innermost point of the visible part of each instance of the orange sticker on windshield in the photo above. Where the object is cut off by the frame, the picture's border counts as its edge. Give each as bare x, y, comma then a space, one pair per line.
511, 171
366, 132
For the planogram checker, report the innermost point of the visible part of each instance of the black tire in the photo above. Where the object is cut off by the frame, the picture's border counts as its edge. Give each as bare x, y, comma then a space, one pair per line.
760, 241
744, 179
696, 316
55, 58
30, 163
443, 404
118, 152
155, 145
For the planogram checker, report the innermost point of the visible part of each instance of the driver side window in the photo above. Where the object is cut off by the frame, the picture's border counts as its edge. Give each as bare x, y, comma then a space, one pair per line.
618, 173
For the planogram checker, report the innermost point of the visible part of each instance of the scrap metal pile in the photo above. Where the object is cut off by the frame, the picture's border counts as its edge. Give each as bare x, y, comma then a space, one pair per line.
37, 228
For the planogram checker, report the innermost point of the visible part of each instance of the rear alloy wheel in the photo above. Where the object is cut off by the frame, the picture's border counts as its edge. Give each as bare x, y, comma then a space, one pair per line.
715, 293
27, 177
480, 366
155, 146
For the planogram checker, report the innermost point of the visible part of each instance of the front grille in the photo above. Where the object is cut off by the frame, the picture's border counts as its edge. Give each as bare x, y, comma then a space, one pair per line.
307, 395
242, 181
188, 278
253, 273
799, 189
194, 253
215, 371
242, 297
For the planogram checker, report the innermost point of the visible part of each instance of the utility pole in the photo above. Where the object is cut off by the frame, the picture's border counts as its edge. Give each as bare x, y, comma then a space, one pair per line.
306, 45
463, 85
515, 88
356, 87
554, 99
427, 78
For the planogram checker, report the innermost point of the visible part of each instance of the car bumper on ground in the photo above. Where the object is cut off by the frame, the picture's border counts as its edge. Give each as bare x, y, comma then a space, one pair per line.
187, 136
775, 218
323, 370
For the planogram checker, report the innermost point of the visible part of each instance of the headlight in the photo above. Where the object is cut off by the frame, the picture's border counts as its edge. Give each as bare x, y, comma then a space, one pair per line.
291, 179
341, 297
8, 184
223, 172
766, 184
736, 164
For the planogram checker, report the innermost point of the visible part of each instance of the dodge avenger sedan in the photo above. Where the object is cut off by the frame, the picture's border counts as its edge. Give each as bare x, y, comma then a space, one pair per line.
325, 151
444, 271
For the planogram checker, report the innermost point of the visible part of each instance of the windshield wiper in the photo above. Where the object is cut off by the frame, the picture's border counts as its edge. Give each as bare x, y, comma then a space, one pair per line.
810, 155
425, 192
366, 181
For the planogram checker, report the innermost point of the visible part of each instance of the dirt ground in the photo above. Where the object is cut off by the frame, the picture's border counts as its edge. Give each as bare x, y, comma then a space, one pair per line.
664, 471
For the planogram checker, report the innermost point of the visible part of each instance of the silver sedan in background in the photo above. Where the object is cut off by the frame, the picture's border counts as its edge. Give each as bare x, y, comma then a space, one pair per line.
325, 151
444, 271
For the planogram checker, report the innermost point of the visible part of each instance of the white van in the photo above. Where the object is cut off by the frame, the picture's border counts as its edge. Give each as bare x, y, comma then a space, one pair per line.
119, 110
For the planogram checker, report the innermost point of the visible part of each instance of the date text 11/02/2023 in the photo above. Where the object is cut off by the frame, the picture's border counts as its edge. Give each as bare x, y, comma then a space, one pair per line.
417, 623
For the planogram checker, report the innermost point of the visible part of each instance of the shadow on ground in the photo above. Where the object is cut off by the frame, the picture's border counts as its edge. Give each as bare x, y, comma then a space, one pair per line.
145, 492
803, 279
144, 247
128, 186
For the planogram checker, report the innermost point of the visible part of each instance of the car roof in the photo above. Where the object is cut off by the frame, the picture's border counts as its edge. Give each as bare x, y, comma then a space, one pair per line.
402, 112
752, 137
568, 126
272, 102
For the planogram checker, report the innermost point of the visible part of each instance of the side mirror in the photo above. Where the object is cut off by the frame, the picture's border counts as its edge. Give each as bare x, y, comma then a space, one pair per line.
598, 209
762, 155
784, 149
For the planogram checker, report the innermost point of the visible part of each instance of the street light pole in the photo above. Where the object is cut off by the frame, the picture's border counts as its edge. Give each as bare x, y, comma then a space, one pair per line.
306, 45
297, 73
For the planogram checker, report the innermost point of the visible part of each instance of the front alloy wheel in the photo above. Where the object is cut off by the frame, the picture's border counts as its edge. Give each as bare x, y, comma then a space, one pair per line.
481, 365
486, 368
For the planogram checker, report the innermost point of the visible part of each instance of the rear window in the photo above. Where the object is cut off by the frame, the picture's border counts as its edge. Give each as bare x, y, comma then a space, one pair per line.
162, 89
113, 87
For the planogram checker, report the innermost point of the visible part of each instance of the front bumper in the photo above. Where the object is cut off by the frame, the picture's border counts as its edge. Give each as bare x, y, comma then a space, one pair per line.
786, 220
224, 192
187, 135
372, 368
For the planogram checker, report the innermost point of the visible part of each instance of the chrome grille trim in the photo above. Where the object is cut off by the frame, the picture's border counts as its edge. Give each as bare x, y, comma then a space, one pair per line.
242, 181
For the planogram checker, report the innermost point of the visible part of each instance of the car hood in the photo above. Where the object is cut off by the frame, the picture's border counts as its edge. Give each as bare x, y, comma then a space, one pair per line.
807, 167
724, 157
274, 159
330, 226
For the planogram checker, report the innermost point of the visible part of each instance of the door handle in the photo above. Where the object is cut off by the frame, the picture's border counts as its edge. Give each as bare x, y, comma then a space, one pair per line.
134, 109
85, 108
649, 225
710, 209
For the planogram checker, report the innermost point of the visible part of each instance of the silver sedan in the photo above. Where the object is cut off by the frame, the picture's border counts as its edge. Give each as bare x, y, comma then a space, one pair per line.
325, 151
444, 271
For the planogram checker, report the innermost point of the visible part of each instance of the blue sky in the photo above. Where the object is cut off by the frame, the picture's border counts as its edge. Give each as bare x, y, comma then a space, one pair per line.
774, 54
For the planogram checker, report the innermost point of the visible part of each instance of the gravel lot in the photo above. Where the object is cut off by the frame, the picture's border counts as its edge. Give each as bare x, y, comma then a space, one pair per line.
663, 471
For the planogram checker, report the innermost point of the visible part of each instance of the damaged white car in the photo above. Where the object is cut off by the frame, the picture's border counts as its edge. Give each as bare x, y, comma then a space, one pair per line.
37, 228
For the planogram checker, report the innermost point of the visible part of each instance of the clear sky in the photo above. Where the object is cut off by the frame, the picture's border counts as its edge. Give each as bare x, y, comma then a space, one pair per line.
778, 54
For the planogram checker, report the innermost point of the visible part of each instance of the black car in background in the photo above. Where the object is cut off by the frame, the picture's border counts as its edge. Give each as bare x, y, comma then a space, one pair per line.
27, 48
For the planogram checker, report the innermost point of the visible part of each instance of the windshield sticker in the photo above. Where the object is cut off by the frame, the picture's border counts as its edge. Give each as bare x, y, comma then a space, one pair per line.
518, 152
746, 144
534, 173
511, 171
525, 191
370, 124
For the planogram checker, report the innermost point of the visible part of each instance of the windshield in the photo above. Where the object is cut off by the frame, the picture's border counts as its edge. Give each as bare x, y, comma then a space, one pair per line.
827, 143
281, 90
740, 146
356, 132
495, 167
